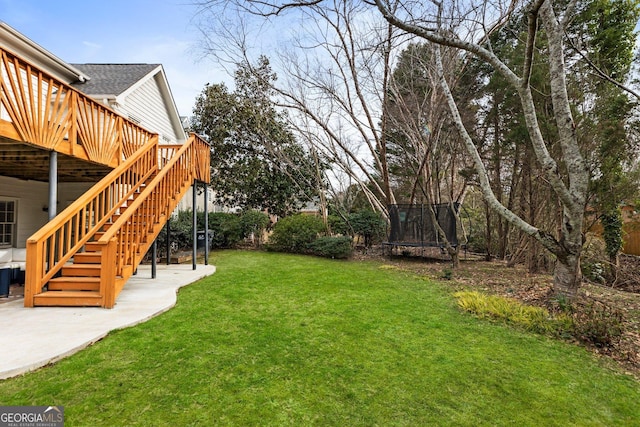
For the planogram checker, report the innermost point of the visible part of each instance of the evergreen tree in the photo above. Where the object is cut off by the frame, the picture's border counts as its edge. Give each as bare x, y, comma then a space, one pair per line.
256, 162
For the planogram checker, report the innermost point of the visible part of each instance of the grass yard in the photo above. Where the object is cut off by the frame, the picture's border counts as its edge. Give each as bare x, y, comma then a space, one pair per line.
275, 339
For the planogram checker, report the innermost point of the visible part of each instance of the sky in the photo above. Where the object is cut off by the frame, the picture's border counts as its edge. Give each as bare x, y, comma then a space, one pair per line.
119, 31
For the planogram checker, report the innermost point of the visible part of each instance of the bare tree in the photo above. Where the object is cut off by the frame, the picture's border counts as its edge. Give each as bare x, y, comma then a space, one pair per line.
426, 147
464, 26
335, 68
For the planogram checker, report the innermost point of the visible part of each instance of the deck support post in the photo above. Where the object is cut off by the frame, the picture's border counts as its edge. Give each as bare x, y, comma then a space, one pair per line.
53, 184
195, 224
168, 242
206, 225
154, 258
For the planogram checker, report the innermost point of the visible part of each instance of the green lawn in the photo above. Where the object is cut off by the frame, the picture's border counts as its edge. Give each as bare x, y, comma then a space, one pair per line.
274, 339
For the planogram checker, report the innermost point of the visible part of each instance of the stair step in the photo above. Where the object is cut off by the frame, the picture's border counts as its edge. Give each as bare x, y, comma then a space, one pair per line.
96, 247
81, 270
114, 218
87, 257
98, 235
74, 284
68, 299
130, 200
92, 247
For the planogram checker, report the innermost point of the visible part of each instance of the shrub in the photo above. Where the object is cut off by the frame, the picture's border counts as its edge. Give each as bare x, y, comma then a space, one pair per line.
338, 225
332, 247
226, 229
534, 319
597, 324
295, 233
253, 224
370, 225
181, 236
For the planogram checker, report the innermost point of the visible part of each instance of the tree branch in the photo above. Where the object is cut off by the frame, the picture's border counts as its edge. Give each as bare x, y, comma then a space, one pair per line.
545, 239
532, 16
601, 73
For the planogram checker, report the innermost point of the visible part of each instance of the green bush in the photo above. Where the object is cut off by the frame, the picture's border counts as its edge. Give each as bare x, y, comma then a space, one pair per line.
295, 233
338, 225
181, 236
254, 223
370, 225
226, 229
332, 247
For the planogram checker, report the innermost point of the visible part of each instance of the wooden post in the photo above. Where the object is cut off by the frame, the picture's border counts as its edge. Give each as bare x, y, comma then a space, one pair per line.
195, 224
33, 272
108, 274
206, 225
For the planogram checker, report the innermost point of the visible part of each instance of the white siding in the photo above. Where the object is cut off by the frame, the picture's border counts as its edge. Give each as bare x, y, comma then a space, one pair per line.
69, 193
33, 201
187, 202
145, 104
32, 196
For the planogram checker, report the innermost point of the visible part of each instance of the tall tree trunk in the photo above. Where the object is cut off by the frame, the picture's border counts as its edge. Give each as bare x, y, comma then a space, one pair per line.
382, 142
570, 184
567, 276
489, 232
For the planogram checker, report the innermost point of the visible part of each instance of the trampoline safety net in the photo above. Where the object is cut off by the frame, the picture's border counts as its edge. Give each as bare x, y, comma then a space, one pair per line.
411, 225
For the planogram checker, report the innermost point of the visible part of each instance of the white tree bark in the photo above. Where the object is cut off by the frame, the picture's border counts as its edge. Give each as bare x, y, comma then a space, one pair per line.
466, 26
571, 188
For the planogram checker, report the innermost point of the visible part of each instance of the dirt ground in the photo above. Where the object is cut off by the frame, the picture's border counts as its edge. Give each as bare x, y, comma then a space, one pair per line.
621, 301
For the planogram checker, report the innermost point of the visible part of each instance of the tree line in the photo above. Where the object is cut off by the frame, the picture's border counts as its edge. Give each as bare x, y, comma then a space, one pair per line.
523, 109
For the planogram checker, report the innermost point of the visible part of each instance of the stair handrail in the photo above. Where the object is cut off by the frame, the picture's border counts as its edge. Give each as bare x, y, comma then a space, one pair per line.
123, 243
53, 245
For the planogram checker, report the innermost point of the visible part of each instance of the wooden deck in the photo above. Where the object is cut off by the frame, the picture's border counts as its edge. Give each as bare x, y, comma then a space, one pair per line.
107, 231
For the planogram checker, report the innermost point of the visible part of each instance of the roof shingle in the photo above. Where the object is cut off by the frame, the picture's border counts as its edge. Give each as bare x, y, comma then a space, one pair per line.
111, 79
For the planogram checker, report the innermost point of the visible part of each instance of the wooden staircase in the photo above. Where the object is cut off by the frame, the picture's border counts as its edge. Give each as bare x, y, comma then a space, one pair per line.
87, 253
84, 256
78, 283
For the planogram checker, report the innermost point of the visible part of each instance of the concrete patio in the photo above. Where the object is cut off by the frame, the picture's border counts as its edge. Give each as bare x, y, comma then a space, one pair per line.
34, 337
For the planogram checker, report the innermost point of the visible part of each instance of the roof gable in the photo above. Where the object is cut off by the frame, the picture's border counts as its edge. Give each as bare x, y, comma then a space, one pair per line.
117, 81
112, 79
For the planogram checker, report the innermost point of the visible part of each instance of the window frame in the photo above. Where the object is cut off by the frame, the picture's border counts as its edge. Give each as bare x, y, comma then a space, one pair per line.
12, 224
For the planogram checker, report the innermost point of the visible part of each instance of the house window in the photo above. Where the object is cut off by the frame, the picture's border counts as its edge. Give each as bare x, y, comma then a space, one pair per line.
7, 222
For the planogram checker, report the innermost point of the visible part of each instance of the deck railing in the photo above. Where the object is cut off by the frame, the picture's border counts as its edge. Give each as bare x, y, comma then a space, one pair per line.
41, 110
54, 244
128, 239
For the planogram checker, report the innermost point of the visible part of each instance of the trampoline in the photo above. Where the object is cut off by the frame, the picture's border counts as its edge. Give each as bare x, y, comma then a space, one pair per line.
412, 226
